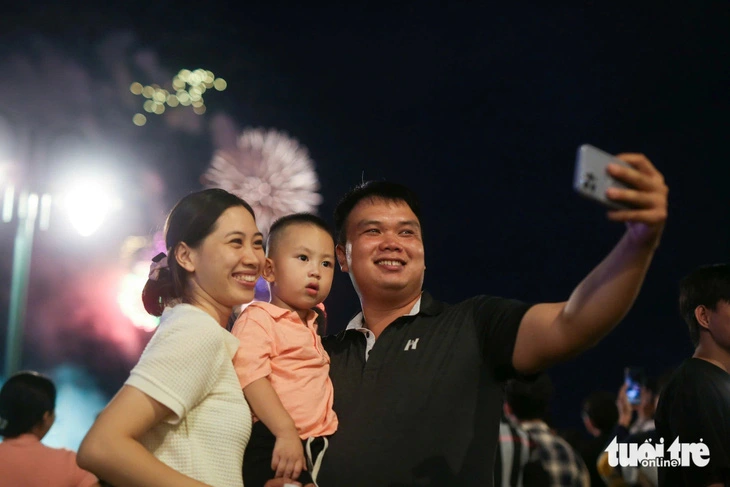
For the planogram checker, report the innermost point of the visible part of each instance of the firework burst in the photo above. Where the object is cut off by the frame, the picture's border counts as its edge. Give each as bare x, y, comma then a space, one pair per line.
271, 171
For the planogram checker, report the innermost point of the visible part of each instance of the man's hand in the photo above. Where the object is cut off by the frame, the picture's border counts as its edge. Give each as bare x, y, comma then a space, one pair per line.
649, 196
645, 408
625, 411
288, 458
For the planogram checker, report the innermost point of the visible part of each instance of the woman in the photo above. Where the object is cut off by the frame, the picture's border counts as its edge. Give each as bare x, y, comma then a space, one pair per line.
181, 418
27, 405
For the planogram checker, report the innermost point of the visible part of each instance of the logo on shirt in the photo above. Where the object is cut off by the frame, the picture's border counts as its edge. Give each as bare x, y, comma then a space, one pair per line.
412, 344
650, 454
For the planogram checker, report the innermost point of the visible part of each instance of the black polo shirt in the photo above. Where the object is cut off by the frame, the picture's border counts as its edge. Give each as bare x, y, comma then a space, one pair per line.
424, 408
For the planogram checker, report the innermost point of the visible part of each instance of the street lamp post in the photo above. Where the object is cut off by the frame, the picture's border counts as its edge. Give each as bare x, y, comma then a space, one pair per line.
21, 141
28, 213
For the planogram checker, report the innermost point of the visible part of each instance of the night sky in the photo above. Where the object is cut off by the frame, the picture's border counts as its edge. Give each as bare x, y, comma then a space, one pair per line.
479, 109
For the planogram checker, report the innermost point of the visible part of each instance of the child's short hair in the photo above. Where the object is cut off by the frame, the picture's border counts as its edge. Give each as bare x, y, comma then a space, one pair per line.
284, 222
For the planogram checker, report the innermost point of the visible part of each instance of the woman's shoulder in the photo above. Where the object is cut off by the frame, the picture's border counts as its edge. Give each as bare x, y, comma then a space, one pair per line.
186, 328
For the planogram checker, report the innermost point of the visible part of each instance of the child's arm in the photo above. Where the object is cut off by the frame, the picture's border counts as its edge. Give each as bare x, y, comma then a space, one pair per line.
288, 458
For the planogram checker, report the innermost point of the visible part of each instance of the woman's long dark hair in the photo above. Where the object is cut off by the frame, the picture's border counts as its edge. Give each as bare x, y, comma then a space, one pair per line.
191, 220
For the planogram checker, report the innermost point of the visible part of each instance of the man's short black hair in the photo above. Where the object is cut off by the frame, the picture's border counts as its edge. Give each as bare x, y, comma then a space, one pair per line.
278, 227
373, 190
530, 400
704, 286
600, 407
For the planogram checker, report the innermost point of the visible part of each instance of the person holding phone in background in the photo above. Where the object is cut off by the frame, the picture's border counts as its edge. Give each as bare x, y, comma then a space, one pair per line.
641, 396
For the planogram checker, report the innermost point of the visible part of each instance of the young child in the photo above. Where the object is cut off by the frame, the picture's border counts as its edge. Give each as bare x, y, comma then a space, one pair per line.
281, 365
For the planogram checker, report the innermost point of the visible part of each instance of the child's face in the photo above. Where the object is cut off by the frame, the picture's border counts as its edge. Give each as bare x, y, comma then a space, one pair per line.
301, 267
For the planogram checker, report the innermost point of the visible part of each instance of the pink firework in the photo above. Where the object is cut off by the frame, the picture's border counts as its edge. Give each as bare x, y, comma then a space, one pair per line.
269, 170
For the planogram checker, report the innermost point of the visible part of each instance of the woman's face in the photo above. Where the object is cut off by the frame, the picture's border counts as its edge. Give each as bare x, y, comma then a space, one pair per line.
224, 268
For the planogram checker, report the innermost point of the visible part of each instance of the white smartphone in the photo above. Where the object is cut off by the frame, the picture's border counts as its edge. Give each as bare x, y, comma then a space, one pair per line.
591, 178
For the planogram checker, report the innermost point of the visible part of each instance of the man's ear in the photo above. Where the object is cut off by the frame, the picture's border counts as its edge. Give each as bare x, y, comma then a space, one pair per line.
702, 316
342, 257
183, 255
268, 271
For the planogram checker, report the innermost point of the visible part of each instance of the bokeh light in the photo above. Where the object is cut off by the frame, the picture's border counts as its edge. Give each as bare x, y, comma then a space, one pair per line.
188, 87
88, 203
138, 119
130, 300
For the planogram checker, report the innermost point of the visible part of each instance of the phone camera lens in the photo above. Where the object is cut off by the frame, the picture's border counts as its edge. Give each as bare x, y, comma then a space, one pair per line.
589, 183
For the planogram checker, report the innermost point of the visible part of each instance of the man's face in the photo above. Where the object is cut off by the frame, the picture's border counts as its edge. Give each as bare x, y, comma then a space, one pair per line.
384, 251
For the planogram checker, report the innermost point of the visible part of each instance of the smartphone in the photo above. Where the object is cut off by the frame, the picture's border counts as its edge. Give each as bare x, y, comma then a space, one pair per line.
634, 378
591, 178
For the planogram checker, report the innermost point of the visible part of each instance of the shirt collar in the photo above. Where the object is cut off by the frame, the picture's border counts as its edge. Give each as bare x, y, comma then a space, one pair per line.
276, 312
356, 323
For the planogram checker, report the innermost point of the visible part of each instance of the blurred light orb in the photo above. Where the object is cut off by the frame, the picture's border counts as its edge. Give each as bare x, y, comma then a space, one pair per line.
88, 203
136, 88
220, 84
139, 120
129, 297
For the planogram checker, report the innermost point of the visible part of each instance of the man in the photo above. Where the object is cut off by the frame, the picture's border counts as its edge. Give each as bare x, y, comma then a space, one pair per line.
695, 403
530, 404
626, 432
600, 415
517, 461
418, 383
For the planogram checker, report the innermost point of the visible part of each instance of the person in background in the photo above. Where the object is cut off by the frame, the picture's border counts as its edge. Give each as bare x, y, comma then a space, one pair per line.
599, 417
27, 412
529, 402
695, 403
517, 463
640, 475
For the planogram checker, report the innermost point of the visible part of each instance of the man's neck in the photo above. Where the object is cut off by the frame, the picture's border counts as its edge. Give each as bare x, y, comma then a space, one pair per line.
714, 354
378, 315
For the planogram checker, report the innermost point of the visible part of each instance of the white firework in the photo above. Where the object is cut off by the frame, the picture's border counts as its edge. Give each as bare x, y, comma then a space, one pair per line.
269, 170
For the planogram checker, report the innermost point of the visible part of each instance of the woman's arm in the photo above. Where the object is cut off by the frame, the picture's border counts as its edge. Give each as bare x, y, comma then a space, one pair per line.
111, 449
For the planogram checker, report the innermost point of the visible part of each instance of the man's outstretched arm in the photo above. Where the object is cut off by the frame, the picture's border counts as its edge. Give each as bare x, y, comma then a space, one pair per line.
552, 332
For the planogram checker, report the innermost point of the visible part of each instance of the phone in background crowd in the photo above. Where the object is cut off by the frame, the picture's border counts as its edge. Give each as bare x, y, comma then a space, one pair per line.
634, 378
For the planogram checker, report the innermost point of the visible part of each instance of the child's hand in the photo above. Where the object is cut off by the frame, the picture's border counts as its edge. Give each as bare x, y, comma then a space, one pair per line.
288, 458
